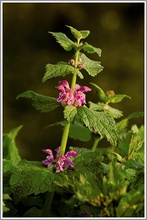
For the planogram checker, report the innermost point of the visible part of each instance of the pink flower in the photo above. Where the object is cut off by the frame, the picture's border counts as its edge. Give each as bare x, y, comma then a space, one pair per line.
61, 162
69, 97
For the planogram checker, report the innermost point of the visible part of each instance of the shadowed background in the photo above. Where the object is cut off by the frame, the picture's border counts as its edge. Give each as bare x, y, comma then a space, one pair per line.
116, 28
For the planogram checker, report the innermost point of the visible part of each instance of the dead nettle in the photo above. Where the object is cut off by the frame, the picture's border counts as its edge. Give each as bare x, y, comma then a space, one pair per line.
72, 98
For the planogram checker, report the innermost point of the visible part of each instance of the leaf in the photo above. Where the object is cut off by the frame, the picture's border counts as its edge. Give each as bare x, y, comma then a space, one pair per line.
90, 49
100, 92
30, 177
91, 66
10, 151
59, 69
98, 122
79, 132
70, 112
40, 102
84, 33
117, 98
63, 40
75, 32
79, 34
135, 115
115, 113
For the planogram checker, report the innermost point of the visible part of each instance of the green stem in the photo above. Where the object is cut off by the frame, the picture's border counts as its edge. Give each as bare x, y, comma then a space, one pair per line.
96, 143
67, 125
64, 138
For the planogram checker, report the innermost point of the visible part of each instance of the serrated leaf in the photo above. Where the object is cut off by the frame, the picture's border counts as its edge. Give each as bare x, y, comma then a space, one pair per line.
30, 177
91, 66
90, 49
70, 112
63, 40
98, 122
59, 69
40, 102
117, 98
100, 92
10, 151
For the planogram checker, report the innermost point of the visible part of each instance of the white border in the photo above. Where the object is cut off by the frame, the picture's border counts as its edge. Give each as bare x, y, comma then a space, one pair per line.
1, 87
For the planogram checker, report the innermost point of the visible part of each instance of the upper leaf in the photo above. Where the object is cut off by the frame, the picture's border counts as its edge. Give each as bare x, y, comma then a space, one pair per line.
63, 40
59, 69
90, 49
91, 66
9, 147
40, 102
98, 122
79, 34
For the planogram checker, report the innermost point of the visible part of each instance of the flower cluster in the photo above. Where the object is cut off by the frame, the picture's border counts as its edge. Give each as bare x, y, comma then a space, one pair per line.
61, 162
69, 97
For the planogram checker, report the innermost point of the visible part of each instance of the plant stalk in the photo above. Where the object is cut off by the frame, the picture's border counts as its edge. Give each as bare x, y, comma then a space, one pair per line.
94, 147
47, 204
67, 125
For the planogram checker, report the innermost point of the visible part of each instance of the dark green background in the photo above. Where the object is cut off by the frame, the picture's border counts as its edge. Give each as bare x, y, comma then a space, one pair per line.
116, 28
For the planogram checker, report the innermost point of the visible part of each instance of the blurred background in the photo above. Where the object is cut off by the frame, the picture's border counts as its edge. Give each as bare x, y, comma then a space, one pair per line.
116, 28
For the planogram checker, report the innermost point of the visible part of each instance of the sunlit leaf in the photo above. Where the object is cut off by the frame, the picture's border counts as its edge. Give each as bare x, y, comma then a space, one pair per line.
90, 49
63, 40
91, 66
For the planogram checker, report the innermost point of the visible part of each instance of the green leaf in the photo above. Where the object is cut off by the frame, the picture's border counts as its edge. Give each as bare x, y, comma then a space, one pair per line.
30, 177
79, 132
84, 33
90, 49
79, 34
115, 113
98, 122
63, 40
91, 66
59, 69
75, 32
100, 92
117, 98
135, 115
40, 102
10, 150
70, 112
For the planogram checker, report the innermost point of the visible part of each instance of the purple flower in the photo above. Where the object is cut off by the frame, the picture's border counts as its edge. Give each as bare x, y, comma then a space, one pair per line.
61, 162
69, 97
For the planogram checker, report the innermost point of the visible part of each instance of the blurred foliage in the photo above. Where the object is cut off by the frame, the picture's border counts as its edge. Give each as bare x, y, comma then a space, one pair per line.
116, 28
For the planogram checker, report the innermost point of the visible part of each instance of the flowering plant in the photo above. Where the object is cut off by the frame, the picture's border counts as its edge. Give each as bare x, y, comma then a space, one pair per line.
80, 182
